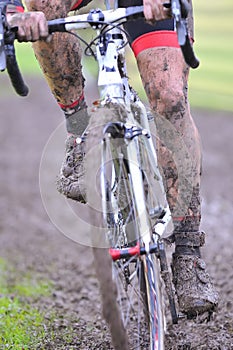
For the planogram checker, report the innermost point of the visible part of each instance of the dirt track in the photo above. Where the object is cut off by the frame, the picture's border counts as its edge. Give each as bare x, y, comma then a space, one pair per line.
31, 242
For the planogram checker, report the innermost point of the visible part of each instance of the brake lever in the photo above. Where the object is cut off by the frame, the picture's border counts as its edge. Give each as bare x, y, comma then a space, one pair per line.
179, 11
7, 53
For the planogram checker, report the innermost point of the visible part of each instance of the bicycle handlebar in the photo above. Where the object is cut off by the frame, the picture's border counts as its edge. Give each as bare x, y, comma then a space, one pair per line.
95, 18
13, 68
180, 10
7, 54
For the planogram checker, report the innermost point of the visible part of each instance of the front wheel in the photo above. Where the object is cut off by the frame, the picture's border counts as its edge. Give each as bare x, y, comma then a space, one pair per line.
130, 286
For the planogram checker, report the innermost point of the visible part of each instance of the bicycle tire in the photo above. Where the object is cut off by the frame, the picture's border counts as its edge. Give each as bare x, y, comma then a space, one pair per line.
125, 285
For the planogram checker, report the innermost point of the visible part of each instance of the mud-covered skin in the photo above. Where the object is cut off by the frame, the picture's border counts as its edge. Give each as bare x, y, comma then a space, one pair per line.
165, 78
164, 75
60, 59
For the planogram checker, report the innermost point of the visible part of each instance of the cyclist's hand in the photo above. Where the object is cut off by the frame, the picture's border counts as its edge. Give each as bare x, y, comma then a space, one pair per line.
32, 26
154, 10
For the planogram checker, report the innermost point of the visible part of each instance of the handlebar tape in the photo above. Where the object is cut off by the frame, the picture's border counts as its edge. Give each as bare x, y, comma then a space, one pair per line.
188, 54
14, 72
55, 26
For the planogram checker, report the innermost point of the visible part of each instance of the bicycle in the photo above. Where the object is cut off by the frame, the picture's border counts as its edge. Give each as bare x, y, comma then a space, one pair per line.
128, 207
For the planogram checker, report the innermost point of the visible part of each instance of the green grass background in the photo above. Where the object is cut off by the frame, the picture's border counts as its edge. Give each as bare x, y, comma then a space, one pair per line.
211, 85
21, 323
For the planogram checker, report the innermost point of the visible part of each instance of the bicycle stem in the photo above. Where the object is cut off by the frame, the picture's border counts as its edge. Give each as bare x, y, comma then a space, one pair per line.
112, 79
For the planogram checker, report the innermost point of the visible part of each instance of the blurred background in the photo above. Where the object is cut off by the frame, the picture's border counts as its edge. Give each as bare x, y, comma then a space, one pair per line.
211, 85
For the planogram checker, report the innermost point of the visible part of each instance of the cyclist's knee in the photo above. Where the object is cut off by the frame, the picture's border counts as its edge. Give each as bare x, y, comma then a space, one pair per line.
164, 75
171, 100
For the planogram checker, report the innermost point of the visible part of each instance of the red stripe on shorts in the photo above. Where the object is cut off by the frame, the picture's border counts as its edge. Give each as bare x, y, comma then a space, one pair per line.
76, 5
13, 9
161, 38
19, 9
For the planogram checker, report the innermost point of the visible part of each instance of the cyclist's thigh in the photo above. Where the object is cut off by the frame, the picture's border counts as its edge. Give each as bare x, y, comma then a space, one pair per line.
160, 62
55, 8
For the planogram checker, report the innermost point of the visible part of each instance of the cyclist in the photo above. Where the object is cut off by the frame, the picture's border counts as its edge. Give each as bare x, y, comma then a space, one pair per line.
164, 75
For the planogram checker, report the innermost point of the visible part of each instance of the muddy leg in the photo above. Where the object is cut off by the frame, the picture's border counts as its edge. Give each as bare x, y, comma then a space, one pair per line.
164, 75
60, 59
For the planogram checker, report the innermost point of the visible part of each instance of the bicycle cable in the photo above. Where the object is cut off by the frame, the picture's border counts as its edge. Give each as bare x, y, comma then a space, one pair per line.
93, 41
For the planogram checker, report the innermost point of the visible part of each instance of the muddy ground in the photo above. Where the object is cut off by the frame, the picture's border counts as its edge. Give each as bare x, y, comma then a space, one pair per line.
31, 242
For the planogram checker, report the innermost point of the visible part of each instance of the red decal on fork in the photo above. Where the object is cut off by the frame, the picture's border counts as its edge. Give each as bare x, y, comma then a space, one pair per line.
115, 254
124, 252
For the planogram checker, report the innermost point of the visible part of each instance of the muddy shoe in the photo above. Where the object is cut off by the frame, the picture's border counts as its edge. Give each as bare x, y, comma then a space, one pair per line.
71, 178
195, 292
